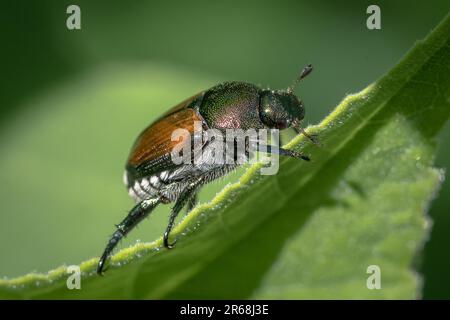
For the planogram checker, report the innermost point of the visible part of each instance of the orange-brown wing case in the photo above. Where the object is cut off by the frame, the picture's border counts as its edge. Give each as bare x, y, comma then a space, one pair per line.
156, 141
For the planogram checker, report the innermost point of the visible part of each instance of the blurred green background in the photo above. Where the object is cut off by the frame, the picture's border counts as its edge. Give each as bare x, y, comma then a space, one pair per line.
73, 101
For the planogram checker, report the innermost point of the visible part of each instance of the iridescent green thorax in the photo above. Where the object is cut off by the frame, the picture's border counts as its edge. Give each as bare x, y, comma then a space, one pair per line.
232, 105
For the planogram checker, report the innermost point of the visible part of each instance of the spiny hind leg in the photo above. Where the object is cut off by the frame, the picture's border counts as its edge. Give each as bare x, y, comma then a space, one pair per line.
136, 215
189, 191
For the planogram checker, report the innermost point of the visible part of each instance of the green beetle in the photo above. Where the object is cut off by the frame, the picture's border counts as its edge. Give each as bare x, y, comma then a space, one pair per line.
153, 178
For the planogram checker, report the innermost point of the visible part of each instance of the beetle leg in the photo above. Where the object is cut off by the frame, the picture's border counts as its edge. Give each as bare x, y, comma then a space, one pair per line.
193, 200
185, 195
281, 141
282, 152
139, 212
311, 137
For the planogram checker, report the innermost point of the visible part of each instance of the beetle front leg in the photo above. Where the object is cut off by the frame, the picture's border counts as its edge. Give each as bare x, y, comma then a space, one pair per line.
184, 197
282, 152
139, 212
311, 137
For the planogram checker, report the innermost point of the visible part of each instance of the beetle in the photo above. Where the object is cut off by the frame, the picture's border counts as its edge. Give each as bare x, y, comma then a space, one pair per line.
152, 178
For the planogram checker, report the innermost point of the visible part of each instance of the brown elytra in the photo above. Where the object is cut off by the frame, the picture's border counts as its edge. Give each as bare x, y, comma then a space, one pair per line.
156, 140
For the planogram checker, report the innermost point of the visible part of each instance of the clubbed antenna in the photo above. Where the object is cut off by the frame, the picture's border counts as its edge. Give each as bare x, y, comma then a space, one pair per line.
306, 70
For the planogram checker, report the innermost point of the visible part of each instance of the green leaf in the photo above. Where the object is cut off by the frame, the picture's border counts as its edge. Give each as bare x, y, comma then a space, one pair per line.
312, 230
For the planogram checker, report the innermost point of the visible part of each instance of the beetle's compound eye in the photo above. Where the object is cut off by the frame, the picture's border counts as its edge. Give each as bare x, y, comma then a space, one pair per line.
279, 109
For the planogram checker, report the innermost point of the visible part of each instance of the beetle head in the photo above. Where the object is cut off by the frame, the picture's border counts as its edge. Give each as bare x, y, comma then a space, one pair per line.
282, 109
